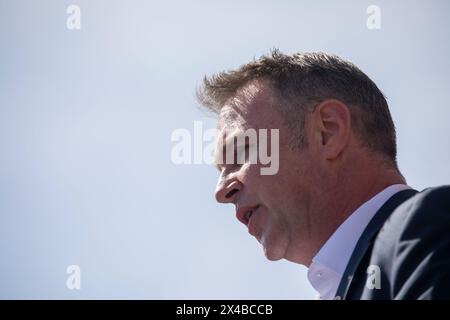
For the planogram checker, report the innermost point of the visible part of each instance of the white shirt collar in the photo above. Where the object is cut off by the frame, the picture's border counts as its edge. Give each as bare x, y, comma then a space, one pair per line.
328, 265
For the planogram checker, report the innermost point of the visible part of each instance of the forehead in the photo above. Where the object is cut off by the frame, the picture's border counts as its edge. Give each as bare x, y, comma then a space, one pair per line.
253, 106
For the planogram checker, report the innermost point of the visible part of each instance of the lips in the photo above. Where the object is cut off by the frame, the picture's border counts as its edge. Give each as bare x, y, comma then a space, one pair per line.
244, 214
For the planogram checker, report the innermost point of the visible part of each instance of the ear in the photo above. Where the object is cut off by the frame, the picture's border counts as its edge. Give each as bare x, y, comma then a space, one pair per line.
331, 126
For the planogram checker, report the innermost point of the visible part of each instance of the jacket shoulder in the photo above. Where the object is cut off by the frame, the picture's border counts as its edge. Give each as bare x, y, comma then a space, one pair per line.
427, 206
416, 240
407, 239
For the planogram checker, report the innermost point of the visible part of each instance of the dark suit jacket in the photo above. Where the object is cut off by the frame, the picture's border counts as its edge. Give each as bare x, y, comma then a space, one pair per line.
405, 248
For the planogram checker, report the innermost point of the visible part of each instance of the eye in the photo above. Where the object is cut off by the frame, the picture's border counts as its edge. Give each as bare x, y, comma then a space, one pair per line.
241, 155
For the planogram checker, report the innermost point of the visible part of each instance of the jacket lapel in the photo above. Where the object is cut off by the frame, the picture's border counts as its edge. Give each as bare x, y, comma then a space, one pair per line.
367, 237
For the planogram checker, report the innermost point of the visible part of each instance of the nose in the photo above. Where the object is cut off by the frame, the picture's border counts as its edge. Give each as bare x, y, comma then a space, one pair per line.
227, 192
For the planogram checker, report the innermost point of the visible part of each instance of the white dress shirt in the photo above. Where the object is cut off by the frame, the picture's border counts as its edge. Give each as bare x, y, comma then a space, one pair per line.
328, 265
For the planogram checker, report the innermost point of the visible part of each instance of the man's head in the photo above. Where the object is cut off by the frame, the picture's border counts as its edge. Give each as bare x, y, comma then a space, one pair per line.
336, 146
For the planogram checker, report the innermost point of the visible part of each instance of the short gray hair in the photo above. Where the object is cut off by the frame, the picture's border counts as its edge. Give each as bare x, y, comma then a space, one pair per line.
301, 81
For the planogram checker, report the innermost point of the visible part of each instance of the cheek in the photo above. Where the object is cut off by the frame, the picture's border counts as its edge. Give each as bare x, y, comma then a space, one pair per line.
284, 197
250, 176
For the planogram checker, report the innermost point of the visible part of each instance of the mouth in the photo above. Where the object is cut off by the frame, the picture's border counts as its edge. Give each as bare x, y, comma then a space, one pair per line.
245, 214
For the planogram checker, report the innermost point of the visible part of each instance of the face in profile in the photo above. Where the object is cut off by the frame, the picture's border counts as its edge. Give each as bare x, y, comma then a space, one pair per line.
272, 206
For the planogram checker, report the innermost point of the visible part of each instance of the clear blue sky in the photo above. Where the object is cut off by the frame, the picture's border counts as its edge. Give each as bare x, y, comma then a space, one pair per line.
86, 118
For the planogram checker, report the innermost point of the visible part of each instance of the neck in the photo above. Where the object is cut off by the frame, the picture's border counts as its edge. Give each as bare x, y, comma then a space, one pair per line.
345, 193
355, 187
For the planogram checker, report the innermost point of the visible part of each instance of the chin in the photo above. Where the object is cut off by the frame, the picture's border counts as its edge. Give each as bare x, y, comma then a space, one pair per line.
273, 254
